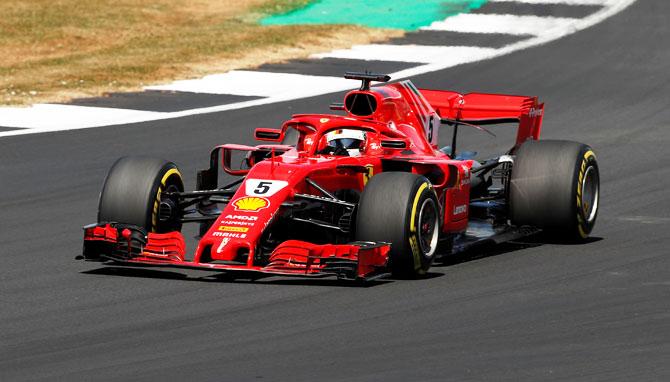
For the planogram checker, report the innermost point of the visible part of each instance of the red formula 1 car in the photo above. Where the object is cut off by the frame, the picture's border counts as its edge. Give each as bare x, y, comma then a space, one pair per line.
354, 196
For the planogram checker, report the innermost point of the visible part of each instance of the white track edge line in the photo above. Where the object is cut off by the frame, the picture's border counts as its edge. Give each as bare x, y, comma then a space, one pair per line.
566, 2
593, 19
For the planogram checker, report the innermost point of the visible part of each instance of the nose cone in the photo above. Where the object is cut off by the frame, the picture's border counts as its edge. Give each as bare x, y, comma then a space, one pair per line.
239, 227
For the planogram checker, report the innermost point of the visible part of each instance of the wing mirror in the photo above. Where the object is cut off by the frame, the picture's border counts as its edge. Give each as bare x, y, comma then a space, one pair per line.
272, 135
394, 143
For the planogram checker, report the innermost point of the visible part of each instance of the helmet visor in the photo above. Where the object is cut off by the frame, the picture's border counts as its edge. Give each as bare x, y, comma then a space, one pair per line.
347, 143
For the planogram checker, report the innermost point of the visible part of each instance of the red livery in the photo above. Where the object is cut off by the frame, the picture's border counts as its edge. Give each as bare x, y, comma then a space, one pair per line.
355, 195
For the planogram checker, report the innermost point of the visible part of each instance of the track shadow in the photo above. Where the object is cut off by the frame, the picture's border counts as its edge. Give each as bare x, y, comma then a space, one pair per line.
488, 249
138, 272
227, 277
278, 280
340, 283
546, 239
130, 271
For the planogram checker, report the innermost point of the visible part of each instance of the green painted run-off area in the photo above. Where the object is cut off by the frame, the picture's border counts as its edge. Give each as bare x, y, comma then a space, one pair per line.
397, 14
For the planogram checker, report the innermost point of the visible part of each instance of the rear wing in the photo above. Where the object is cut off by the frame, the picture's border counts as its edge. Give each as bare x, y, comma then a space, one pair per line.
482, 109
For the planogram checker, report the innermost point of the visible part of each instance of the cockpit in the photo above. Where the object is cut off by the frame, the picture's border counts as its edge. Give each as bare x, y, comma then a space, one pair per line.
342, 142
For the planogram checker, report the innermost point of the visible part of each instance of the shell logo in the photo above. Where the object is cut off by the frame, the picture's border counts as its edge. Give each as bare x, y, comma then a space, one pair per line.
250, 203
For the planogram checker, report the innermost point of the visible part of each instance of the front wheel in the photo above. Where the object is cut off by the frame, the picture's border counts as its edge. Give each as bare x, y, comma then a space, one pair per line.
132, 193
401, 209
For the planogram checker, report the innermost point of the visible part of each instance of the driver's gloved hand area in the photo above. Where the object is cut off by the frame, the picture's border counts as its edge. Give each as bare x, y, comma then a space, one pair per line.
336, 151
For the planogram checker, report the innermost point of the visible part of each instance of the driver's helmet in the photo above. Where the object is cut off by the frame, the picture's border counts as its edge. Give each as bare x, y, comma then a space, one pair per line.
346, 139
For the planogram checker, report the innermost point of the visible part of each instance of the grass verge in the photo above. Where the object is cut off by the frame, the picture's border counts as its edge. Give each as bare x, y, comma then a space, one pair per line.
54, 50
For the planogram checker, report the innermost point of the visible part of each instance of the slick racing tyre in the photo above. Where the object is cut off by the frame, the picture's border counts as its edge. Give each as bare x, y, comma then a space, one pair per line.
402, 209
555, 186
132, 193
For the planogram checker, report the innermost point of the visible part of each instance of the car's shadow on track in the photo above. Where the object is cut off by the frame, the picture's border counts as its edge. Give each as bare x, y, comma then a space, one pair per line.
130, 271
488, 249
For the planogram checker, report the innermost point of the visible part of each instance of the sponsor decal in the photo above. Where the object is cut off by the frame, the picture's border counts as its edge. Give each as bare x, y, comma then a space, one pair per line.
460, 209
466, 170
324, 120
226, 228
242, 217
236, 222
583, 209
431, 128
369, 173
251, 204
232, 235
534, 112
309, 141
263, 187
223, 244
506, 159
416, 252
465, 180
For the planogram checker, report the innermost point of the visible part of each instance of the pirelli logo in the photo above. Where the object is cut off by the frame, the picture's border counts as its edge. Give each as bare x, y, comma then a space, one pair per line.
226, 228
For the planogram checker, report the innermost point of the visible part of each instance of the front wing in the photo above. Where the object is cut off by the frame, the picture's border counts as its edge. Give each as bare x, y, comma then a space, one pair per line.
127, 244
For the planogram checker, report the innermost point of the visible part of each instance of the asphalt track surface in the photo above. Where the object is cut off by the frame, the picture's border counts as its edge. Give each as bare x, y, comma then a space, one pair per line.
597, 311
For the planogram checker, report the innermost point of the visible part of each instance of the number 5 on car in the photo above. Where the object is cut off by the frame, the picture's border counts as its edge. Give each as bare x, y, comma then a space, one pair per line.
263, 187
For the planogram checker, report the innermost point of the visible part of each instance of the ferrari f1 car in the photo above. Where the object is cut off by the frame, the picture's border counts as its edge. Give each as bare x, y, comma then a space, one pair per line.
355, 195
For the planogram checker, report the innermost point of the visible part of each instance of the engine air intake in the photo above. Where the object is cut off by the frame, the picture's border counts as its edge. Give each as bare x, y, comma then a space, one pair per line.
360, 104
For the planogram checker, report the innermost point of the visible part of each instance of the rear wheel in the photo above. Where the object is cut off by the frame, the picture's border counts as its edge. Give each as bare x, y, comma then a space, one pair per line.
555, 185
402, 209
132, 193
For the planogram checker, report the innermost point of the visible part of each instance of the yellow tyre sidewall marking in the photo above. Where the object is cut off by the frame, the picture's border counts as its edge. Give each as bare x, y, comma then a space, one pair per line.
413, 239
580, 219
166, 176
